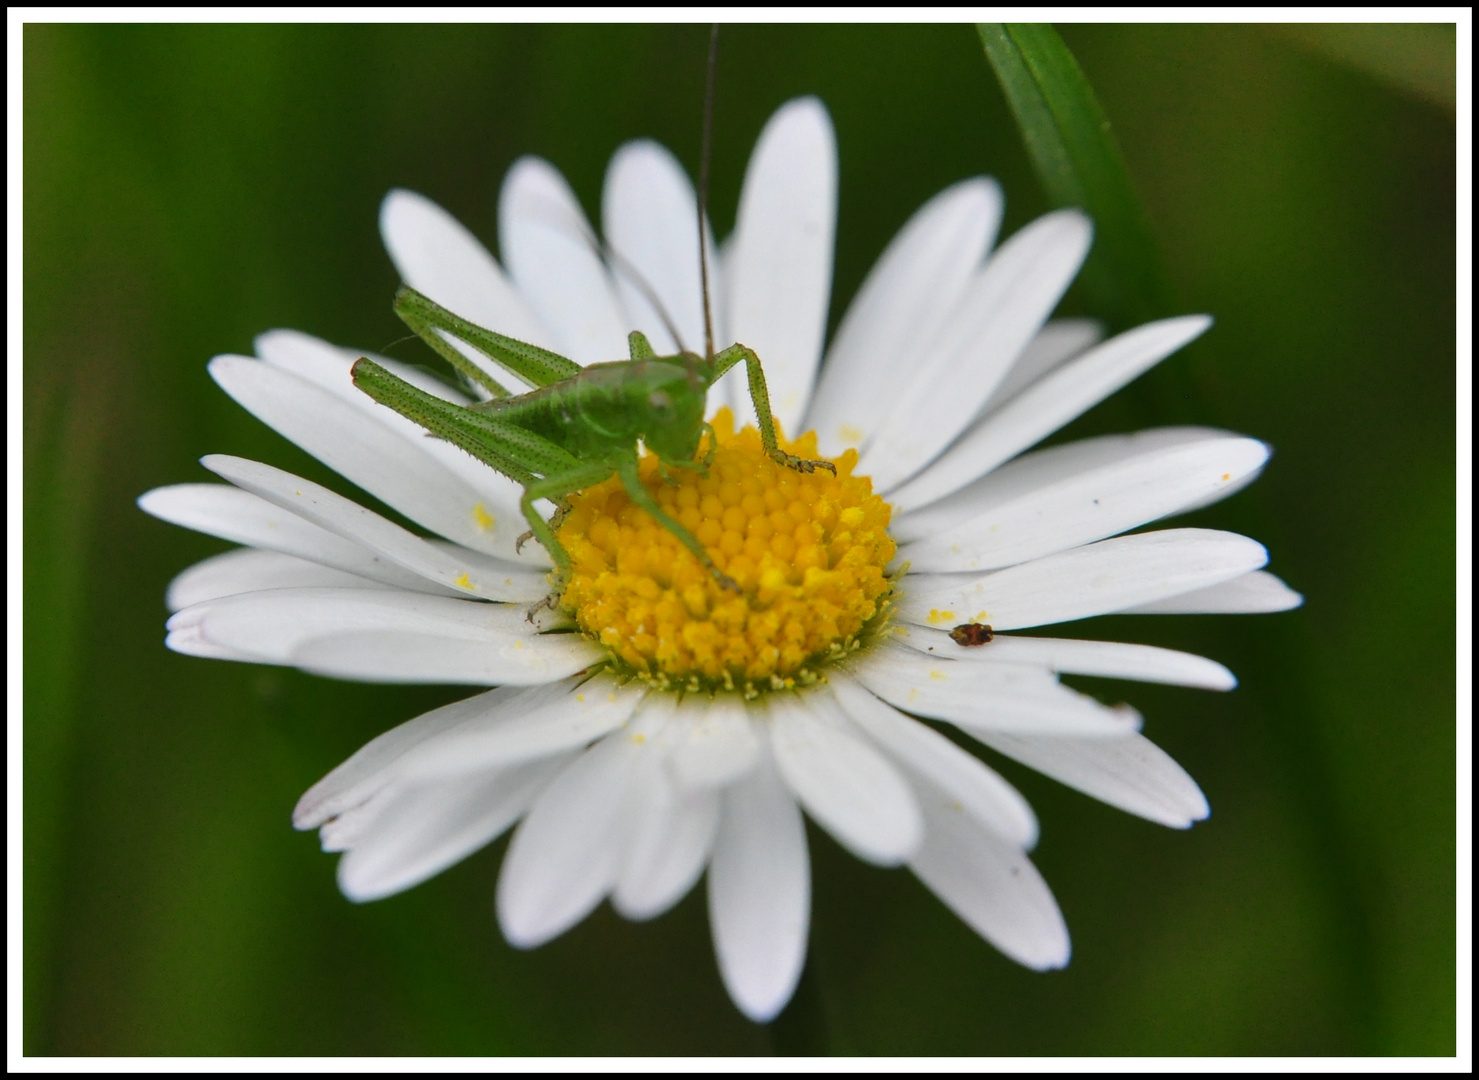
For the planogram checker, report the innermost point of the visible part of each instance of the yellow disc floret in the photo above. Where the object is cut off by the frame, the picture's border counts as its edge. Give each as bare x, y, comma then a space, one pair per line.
807, 551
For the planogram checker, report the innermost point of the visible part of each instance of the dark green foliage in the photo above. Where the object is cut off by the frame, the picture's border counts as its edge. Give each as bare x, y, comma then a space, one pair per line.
1079, 163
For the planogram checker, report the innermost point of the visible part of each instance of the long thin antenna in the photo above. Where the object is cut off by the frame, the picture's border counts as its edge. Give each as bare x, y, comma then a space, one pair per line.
619, 264
703, 192
623, 266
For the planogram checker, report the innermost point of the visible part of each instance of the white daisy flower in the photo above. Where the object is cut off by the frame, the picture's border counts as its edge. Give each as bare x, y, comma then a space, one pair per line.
682, 728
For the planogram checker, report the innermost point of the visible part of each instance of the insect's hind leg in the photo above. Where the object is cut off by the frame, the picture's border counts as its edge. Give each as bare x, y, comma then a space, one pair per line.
632, 482
760, 398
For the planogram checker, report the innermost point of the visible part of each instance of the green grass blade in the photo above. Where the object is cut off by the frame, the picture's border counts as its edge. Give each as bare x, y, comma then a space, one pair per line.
1080, 164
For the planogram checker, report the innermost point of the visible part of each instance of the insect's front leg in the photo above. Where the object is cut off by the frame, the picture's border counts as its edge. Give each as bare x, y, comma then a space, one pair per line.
700, 467
713, 446
632, 482
760, 398
556, 487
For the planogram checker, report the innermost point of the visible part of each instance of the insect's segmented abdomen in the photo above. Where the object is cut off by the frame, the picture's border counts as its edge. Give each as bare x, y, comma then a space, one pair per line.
536, 411
590, 413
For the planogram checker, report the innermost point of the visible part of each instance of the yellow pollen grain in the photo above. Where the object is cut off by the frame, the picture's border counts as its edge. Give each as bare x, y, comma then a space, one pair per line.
807, 551
462, 581
936, 616
481, 518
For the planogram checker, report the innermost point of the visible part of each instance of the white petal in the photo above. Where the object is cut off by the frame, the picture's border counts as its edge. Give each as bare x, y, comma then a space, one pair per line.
670, 836
422, 830
437, 256
713, 748
543, 726
496, 516
849, 788
397, 657
478, 736
991, 885
1002, 309
987, 697
778, 269
1250, 594
550, 251
1107, 659
720, 298
1091, 580
396, 470
373, 766
1055, 344
760, 893
340, 833
1130, 772
904, 300
380, 635
249, 570
1069, 495
239, 516
458, 570
979, 790
1047, 405
186, 640
1024, 476
568, 852
328, 366
732, 386
564, 857
650, 217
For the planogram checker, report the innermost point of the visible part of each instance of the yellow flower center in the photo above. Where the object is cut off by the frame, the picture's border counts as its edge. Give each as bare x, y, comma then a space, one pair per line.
807, 551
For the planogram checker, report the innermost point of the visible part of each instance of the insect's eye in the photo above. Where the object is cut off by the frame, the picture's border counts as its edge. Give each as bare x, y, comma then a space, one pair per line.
660, 401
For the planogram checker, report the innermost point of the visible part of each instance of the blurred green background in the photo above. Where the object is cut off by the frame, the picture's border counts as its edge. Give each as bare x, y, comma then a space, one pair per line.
189, 187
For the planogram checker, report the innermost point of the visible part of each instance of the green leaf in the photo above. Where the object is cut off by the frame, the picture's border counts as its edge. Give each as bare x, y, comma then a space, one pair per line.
1080, 164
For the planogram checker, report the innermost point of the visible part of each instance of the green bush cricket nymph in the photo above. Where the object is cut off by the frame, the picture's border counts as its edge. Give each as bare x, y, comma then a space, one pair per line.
580, 425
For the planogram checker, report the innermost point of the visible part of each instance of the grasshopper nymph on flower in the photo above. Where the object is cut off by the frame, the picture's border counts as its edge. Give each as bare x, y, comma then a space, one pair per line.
580, 425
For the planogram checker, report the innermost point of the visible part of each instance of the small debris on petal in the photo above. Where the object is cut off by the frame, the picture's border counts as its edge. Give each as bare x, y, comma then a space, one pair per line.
971, 633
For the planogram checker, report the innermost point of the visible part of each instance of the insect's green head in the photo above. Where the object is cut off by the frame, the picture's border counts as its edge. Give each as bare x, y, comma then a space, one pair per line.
672, 404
